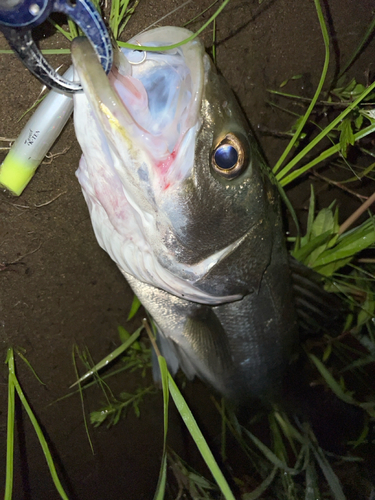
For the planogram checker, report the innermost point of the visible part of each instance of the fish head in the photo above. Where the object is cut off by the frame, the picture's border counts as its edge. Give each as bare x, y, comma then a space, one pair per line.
176, 188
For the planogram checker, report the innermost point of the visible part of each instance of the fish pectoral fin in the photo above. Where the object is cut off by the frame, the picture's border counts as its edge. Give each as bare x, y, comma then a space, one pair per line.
208, 339
174, 358
318, 311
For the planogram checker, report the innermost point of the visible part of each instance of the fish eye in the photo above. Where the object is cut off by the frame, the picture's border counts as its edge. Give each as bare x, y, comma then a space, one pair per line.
228, 157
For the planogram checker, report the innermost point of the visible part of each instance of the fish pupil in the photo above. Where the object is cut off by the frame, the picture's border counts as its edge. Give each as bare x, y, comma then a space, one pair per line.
226, 156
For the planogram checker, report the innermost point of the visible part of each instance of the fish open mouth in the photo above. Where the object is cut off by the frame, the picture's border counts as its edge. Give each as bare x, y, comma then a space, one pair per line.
137, 129
152, 99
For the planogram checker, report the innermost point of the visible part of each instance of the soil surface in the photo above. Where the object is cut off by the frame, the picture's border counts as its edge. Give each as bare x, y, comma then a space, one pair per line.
58, 288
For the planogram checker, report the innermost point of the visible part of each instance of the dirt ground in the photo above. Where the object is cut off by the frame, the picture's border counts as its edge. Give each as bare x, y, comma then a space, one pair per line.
58, 288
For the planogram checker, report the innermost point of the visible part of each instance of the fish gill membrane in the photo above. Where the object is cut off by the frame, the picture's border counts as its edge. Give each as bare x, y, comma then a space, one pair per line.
181, 199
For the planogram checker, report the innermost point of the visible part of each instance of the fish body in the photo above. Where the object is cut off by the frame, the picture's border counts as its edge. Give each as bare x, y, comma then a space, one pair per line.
181, 199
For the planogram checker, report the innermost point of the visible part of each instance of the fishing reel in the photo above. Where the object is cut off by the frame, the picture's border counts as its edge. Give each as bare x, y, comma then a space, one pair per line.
19, 17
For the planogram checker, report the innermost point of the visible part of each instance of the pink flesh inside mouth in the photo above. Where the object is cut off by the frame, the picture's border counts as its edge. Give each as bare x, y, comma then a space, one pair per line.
163, 112
136, 102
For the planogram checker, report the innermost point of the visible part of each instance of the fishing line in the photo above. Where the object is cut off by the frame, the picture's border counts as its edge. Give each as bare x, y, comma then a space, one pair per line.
165, 16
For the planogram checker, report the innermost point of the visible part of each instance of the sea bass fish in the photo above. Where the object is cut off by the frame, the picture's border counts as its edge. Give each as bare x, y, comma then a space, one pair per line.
181, 199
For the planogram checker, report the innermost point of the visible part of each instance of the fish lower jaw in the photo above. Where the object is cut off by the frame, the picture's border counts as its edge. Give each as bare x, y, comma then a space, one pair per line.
179, 287
178, 279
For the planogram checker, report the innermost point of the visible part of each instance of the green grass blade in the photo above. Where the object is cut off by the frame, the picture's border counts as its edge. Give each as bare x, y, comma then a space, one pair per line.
362, 437
197, 435
66, 34
289, 206
323, 134
176, 45
108, 359
347, 246
359, 363
289, 96
36, 103
316, 95
74, 30
55, 51
114, 20
214, 42
136, 304
43, 51
125, 16
328, 472
90, 384
270, 455
324, 155
200, 14
289, 431
304, 253
259, 490
331, 382
30, 367
311, 213
312, 488
10, 428
75, 348
365, 38
160, 490
43, 443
